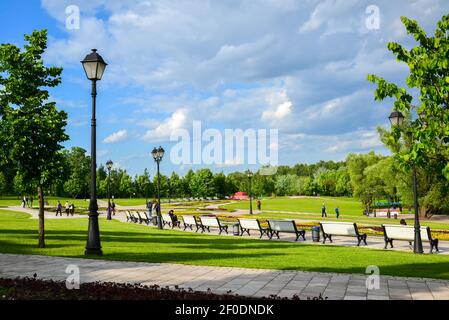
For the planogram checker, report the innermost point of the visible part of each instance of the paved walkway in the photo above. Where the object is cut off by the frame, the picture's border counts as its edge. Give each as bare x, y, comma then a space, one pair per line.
245, 282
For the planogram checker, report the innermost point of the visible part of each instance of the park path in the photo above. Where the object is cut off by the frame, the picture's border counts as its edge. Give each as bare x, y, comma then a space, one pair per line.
220, 280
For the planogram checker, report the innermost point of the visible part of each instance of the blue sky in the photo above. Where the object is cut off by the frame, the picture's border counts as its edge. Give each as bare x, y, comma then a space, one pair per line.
296, 66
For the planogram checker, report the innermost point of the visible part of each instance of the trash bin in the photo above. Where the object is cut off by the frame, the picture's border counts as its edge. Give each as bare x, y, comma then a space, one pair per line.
236, 229
316, 234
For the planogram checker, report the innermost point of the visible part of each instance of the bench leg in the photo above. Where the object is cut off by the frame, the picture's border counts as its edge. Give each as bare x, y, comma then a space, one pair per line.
330, 238
434, 245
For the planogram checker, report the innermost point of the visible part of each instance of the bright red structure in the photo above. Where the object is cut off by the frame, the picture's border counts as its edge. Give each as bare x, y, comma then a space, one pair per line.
240, 196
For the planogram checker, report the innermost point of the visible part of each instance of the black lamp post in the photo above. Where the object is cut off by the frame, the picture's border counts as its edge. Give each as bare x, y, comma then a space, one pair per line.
158, 154
397, 119
94, 67
109, 165
249, 173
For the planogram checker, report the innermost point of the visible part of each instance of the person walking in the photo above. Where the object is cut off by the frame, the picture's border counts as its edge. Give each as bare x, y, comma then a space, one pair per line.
31, 202
59, 209
72, 209
259, 204
150, 208
113, 207
23, 202
156, 207
67, 208
337, 212
26, 201
323, 211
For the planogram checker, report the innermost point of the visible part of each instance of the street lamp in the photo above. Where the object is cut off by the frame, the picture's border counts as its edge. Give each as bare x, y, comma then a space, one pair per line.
397, 119
94, 67
158, 154
249, 173
109, 165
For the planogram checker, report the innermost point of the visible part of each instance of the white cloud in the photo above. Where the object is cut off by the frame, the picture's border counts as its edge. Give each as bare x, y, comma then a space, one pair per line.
118, 136
162, 132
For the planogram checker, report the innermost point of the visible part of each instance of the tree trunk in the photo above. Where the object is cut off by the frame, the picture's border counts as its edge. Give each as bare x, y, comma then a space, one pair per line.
41, 217
423, 212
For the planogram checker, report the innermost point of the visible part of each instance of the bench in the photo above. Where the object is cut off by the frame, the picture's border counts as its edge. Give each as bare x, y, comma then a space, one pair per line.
128, 216
190, 222
132, 217
407, 233
143, 217
212, 222
287, 226
252, 224
347, 229
167, 220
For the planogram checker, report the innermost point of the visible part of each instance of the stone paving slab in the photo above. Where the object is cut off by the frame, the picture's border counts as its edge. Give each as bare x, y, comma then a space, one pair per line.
246, 282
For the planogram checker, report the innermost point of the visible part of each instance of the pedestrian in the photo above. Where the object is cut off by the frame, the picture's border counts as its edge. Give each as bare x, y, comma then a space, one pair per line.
67, 208
31, 202
113, 207
337, 212
59, 209
72, 209
173, 217
23, 202
26, 200
156, 207
259, 204
150, 208
323, 211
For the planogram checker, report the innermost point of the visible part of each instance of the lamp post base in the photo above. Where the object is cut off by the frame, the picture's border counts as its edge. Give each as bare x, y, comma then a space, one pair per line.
93, 252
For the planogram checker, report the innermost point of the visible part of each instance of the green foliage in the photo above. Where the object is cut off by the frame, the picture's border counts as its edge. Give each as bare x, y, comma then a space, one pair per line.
32, 127
78, 167
422, 142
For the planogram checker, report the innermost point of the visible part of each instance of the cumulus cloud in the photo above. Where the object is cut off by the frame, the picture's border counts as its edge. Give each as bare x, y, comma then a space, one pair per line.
162, 132
118, 136
298, 66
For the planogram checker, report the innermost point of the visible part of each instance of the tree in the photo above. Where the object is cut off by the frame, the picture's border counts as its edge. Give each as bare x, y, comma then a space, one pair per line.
426, 138
3, 184
361, 186
143, 183
34, 127
78, 164
202, 183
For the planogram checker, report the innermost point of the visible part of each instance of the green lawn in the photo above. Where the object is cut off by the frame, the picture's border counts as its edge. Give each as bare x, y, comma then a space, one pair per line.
10, 201
348, 206
122, 241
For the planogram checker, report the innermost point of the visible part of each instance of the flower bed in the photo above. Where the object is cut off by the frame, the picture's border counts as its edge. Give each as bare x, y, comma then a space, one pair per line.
36, 289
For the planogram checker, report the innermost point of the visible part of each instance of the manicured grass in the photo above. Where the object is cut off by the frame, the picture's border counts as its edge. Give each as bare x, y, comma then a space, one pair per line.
10, 201
129, 201
348, 206
122, 241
